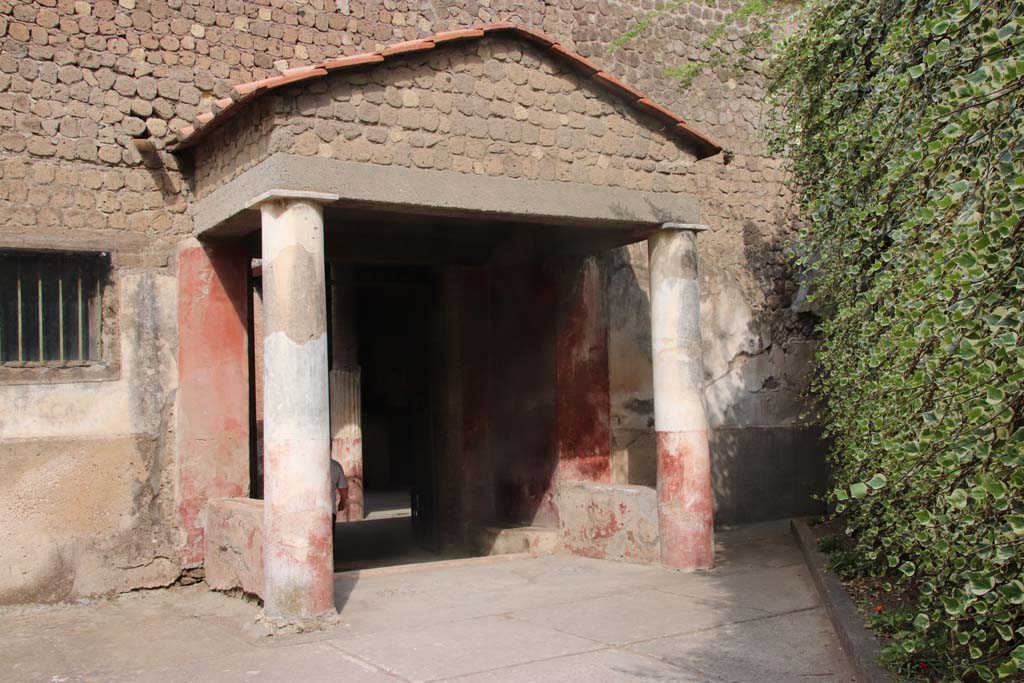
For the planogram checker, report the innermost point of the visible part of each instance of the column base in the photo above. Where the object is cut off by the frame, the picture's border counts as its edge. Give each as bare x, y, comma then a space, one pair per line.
267, 626
685, 517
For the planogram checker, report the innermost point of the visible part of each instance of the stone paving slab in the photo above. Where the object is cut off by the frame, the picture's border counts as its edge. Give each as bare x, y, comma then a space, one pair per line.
753, 619
630, 617
786, 647
604, 666
457, 648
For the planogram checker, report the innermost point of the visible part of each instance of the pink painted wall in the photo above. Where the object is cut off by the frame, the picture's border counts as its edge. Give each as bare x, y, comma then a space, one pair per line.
213, 386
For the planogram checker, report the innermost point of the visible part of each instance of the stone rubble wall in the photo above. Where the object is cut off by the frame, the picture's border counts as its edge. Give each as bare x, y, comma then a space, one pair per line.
88, 497
495, 106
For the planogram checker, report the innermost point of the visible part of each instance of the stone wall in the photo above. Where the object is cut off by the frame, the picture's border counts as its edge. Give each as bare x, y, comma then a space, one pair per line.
497, 106
87, 471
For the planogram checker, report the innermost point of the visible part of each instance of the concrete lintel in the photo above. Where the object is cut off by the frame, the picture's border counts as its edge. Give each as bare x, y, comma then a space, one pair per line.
277, 193
695, 227
227, 210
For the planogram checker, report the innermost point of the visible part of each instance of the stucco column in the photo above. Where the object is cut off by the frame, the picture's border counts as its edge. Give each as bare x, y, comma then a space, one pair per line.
346, 409
297, 551
684, 465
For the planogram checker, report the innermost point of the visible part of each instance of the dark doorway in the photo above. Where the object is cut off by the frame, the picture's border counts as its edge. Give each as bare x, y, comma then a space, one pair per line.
397, 350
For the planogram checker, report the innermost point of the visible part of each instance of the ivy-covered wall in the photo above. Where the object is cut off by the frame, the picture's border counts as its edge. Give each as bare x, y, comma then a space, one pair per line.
905, 125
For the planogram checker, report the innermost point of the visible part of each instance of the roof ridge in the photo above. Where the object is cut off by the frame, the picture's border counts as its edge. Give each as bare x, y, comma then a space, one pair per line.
226, 108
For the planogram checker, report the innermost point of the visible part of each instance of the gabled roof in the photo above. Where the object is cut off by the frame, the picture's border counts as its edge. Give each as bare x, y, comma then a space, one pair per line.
241, 95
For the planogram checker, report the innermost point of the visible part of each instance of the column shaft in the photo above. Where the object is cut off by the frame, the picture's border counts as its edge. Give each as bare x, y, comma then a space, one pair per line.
297, 557
684, 465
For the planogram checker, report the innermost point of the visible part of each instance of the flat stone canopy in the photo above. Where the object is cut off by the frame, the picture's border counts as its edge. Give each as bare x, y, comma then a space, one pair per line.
610, 216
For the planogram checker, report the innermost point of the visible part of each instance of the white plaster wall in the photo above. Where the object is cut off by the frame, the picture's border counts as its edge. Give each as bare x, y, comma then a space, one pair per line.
85, 471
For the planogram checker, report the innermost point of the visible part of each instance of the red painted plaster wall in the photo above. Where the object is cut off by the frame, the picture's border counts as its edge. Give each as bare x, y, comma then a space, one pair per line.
213, 386
581, 366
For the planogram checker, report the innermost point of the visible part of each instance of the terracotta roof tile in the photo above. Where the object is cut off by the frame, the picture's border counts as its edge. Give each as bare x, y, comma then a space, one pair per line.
243, 89
407, 46
461, 34
575, 60
354, 60
617, 86
659, 112
534, 35
294, 71
291, 76
496, 26
189, 136
700, 144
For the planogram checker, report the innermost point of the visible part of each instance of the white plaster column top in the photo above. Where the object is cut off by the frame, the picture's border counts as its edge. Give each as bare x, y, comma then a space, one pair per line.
279, 194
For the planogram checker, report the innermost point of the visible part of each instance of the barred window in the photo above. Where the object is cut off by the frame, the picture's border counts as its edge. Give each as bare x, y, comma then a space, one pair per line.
51, 306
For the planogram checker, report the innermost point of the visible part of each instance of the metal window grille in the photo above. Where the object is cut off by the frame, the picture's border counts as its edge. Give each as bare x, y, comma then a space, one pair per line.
51, 306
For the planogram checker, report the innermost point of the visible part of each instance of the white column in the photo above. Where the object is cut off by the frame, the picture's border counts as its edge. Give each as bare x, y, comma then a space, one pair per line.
685, 521
298, 566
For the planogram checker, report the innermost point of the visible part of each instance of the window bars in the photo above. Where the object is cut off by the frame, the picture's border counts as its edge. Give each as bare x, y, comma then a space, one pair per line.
51, 307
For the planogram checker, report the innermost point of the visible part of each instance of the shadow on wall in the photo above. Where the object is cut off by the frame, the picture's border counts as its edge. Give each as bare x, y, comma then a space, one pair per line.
766, 462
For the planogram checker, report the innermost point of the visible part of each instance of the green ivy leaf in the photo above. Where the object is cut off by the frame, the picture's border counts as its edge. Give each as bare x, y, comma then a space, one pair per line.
877, 481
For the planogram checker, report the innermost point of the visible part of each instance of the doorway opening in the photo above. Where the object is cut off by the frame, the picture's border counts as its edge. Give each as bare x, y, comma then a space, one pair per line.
395, 321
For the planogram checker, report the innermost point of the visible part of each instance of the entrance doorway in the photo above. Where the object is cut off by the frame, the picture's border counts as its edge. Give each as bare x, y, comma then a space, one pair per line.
395, 320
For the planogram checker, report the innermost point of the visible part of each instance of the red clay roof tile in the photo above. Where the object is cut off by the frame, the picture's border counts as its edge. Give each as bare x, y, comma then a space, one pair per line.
659, 112
299, 70
534, 35
461, 34
617, 86
575, 60
703, 147
700, 144
243, 89
353, 60
407, 46
497, 26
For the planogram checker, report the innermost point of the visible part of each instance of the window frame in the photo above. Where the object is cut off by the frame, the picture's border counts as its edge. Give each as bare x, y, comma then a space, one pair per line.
106, 365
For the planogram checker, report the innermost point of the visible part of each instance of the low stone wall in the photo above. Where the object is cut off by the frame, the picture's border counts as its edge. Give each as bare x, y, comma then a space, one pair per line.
234, 544
610, 521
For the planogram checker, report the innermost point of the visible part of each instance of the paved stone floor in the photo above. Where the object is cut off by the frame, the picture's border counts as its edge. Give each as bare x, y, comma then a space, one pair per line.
754, 619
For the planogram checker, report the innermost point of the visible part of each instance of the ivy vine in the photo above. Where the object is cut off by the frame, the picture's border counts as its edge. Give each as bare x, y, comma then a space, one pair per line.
757, 19
903, 123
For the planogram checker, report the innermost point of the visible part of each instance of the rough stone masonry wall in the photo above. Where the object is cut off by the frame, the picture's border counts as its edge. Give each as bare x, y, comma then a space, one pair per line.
88, 479
496, 107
